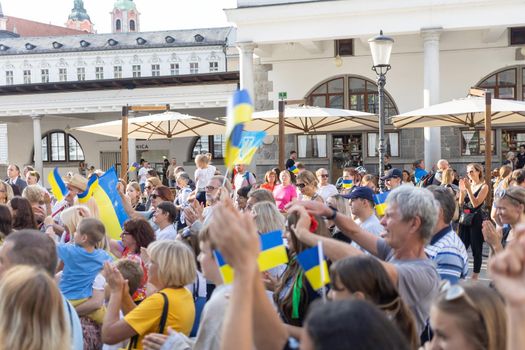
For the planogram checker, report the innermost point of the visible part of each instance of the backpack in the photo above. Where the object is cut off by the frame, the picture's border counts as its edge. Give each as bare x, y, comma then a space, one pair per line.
427, 180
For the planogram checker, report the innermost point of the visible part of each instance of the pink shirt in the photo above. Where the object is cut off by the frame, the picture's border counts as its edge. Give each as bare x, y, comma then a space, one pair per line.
284, 195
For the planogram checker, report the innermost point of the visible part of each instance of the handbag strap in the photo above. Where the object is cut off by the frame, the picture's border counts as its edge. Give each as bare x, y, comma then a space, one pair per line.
162, 324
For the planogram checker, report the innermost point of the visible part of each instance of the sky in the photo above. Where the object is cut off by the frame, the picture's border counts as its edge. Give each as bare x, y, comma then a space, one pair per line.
155, 14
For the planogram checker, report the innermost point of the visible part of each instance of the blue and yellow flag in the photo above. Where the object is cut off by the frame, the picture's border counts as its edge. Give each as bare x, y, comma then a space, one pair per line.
347, 184
133, 167
273, 252
109, 203
380, 203
225, 269
88, 193
293, 169
251, 140
240, 111
315, 267
58, 187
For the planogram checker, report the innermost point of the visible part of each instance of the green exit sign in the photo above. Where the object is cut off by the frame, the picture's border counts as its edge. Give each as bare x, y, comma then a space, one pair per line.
283, 95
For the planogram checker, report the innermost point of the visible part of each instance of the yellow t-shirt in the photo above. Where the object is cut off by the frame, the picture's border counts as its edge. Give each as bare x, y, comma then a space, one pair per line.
145, 318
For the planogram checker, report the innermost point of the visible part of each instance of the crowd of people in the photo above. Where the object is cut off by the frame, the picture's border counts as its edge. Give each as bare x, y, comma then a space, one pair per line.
398, 269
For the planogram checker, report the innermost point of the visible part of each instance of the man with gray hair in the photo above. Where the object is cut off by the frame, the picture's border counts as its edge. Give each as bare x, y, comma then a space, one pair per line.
409, 222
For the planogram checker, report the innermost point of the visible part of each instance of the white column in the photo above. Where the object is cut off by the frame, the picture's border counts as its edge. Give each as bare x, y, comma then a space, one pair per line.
431, 92
246, 67
132, 156
37, 142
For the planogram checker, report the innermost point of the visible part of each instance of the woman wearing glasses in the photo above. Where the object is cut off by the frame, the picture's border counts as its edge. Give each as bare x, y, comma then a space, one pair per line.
509, 213
468, 317
473, 192
306, 182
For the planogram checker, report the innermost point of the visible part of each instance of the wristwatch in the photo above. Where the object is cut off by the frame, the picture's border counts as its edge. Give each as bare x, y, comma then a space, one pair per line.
334, 214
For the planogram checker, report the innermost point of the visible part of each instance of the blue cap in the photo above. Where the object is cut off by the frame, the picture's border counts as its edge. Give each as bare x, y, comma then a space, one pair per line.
392, 173
360, 192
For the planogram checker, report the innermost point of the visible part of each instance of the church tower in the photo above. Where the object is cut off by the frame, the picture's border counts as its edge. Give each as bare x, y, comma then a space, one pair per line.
125, 17
79, 19
3, 19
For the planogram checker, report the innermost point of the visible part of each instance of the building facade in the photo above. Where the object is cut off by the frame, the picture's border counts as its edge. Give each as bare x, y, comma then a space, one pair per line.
318, 51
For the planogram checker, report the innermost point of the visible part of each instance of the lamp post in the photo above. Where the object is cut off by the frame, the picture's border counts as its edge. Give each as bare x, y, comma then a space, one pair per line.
381, 48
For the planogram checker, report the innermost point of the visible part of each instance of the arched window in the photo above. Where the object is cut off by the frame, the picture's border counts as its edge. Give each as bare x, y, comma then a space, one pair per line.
507, 83
132, 25
57, 146
118, 25
216, 145
350, 92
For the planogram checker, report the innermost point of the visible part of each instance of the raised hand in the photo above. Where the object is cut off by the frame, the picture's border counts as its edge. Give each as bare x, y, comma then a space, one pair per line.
492, 235
113, 278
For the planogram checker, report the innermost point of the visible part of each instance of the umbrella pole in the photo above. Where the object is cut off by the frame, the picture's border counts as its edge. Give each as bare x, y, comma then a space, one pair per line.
124, 144
281, 134
488, 146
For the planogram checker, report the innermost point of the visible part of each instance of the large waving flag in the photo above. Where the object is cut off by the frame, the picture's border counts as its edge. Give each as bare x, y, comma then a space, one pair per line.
88, 193
109, 203
315, 267
273, 253
251, 140
58, 187
240, 111
380, 203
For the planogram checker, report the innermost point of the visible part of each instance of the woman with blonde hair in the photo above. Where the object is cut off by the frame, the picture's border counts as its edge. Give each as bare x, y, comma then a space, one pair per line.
32, 311
6, 192
468, 316
267, 217
370, 181
171, 267
307, 183
135, 197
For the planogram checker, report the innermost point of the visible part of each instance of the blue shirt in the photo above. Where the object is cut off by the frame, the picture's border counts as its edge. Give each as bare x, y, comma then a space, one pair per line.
449, 254
419, 174
80, 270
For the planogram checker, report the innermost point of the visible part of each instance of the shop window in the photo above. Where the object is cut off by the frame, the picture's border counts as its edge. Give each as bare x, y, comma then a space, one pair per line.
473, 142
391, 140
215, 144
311, 146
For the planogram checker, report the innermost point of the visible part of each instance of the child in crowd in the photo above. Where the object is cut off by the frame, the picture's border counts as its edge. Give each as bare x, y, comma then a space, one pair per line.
203, 174
82, 262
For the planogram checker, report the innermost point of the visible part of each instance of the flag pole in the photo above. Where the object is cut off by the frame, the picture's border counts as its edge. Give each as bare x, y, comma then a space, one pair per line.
321, 266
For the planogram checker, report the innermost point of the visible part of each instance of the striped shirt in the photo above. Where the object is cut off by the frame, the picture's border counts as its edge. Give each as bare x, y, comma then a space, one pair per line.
448, 252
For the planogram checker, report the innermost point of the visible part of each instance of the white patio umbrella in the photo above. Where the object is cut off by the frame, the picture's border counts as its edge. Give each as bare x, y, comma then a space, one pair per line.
308, 119
158, 126
469, 111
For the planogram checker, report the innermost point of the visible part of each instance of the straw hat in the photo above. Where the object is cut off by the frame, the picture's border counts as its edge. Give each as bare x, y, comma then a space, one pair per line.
77, 181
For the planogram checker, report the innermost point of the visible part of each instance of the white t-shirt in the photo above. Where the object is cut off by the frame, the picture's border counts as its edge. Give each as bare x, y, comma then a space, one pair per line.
327, 191
372, 225
202, 176
143, 175
243, 180
169, 232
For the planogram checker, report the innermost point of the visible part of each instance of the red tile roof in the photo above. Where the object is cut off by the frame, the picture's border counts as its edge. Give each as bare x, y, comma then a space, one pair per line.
25, 27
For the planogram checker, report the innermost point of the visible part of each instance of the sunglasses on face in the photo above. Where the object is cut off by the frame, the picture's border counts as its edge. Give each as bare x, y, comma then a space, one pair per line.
301, 186
323, 175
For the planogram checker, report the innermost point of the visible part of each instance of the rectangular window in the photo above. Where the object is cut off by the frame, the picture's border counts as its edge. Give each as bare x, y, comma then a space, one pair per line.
194, 67
45, 75
391, 140
174, 69
3, 144
58, 147
214, 66
344, 47
155, 70
473, 142
9, 77
99, 73
311, 146
44, 149
27, 77
62, 74
117, 72
136, 71
81, 73
517, 36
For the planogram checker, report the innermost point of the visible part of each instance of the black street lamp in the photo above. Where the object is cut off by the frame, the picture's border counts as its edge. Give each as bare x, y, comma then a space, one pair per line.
381, 48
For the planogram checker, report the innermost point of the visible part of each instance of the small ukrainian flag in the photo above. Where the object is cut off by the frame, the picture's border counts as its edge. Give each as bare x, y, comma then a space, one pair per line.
225, 269
380, 203
315, 267
273, 251
58, 187
133, 167
293, 169
347, 184
88, 193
